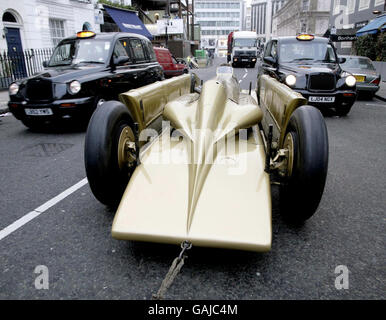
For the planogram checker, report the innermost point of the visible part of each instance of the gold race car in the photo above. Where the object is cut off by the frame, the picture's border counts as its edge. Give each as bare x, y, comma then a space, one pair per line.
206, 178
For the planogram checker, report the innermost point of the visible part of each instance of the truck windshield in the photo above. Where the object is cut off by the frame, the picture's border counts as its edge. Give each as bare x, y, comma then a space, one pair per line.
245, 42
299, 51
80, 51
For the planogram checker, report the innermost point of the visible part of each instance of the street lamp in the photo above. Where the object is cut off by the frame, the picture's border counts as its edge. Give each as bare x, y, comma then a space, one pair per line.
167, 17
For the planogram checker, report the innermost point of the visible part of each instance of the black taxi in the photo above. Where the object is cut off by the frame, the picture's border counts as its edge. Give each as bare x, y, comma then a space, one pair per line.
84, 71
310, 66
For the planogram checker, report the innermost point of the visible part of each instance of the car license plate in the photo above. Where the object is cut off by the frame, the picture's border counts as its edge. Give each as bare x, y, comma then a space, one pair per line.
360, 78
321, 99
244, 59
39, 112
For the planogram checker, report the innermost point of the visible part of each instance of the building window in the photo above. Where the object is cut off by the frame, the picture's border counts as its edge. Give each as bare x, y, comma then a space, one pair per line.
364, 4
303, 26
9, 17
350, 6
379, 2
346, 45
57, 30
336, 7
305, 5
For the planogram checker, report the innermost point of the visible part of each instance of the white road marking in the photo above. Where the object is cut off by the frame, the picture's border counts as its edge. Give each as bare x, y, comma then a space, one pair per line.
376, 105
246, 70
39, 210
244, 76
240, 80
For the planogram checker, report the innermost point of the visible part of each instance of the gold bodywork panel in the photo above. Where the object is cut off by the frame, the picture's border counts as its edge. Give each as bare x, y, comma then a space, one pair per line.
277, 102
233, 210
197, 188
154, 97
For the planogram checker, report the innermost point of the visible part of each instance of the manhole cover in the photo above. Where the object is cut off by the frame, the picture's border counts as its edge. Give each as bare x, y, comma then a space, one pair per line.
46, 149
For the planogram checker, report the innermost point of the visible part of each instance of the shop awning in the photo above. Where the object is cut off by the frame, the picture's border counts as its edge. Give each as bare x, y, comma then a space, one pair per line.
128, 21
378, 24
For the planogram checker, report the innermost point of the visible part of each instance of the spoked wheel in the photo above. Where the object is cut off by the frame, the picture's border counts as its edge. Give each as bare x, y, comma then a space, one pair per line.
111, 150
306, 165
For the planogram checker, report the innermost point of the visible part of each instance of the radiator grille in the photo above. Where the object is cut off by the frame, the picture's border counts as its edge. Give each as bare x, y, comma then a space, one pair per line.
322, 81
39, 90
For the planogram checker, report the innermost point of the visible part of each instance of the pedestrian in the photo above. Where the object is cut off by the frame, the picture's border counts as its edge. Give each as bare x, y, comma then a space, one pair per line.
189, 60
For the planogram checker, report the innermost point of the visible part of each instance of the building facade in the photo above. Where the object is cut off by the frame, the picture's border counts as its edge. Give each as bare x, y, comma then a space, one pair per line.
348, 16
217, 18
262, 12
36, 24
302, 16
247, 22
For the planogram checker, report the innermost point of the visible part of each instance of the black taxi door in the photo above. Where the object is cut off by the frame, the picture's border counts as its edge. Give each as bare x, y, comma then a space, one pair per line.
141, 61
269, 62
124, 75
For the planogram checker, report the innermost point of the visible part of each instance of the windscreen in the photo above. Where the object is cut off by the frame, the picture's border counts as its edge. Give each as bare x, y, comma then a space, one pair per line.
358, 63
80, 51
306, 50
245, 42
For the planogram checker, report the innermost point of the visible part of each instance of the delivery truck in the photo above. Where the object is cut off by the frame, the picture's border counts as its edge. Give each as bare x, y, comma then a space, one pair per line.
242, 48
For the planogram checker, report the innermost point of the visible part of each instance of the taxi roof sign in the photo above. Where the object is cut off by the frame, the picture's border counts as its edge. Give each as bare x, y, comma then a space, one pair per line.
306, 37
85, 34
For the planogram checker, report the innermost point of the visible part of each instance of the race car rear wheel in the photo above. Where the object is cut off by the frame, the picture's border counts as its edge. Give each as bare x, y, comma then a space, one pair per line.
307, 163
111, 148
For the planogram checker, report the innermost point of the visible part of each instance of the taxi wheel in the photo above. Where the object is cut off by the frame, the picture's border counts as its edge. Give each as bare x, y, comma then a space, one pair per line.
307, 163
111, 146
342, 110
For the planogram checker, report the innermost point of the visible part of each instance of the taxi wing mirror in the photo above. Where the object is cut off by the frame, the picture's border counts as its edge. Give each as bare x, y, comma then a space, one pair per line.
342, 60
270, 60
121, 60
45, 64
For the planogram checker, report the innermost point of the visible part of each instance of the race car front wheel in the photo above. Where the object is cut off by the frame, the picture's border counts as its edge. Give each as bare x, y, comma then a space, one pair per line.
111, 148
306, 140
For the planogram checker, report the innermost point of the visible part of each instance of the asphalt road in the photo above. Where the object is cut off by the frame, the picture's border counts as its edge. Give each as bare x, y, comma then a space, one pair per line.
72, 237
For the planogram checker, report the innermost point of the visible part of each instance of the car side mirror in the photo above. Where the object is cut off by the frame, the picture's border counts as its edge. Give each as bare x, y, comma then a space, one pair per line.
270, 60
121, 60
342, 60
45, 64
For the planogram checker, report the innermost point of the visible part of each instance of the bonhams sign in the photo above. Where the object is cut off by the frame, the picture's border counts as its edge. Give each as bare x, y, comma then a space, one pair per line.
342, 38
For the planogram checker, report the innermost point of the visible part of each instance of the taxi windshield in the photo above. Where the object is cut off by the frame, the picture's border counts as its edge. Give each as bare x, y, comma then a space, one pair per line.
301, 51
80, 51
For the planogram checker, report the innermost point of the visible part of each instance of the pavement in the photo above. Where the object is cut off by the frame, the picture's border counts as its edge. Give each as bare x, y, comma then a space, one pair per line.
72, 236
4, 101
381, 94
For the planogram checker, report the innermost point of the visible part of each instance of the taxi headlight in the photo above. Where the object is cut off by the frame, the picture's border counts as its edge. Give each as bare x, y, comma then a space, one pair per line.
74, 87
350, 81
13, 89
290, 80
